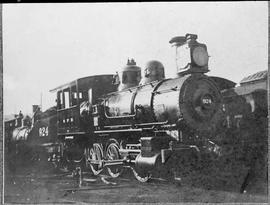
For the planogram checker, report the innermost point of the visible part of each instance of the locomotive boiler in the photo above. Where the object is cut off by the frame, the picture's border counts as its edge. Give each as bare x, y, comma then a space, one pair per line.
192, 100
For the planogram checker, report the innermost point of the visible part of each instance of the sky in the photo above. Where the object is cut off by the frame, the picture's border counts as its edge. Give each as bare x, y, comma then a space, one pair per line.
46, 45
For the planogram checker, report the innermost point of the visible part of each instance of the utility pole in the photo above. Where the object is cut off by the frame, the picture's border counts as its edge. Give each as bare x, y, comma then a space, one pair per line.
41, 101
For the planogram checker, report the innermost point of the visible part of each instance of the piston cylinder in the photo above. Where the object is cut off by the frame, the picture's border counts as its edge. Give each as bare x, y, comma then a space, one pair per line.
145, 164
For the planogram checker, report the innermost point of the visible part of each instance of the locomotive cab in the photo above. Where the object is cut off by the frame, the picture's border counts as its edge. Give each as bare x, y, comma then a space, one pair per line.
74, 101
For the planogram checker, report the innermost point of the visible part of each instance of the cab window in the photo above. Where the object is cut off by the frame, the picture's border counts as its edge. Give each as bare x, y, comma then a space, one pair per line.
74, 96
82, 95
66, 98
60, 100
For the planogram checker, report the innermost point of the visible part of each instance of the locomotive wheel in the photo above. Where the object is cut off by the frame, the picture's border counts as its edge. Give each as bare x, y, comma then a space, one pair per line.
141, 177
96, 157
74, 154
112, 153
63, 165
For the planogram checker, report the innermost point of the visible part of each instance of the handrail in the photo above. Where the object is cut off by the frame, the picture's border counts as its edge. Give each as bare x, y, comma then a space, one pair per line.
166, 90
152, 123
116, 131
120, 117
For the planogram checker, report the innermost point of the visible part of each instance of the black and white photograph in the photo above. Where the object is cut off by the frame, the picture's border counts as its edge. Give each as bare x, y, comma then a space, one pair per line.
140, 102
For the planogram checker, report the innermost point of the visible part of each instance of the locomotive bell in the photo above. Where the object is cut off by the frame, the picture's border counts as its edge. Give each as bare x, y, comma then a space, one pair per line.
130, 75
191, 56
154, 70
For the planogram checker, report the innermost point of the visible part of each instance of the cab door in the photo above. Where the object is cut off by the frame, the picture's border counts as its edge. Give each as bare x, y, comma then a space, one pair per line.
68, 111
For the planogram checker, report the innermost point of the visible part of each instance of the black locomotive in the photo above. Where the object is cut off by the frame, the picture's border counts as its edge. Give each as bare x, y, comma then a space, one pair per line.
123, 120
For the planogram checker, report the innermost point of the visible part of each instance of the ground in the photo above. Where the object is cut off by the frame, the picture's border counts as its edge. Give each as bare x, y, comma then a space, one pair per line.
43, 185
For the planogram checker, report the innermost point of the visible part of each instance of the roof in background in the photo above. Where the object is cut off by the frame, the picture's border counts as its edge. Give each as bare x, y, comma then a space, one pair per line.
261, 75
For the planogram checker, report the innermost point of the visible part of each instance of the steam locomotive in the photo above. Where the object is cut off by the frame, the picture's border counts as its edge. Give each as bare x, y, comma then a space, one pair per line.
116, 121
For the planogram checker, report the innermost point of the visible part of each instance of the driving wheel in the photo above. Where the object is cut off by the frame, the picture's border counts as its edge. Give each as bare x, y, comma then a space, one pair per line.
112, 153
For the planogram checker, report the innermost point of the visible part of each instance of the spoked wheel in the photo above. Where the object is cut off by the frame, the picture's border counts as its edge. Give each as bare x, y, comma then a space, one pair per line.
95, 159
141, 175
65, 163
73, 155
112, 153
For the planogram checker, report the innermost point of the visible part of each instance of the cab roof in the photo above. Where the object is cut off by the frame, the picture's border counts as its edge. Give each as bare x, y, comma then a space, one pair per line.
81, 82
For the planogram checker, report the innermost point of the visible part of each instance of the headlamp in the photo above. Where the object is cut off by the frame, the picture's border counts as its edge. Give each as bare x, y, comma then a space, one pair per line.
200, 56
